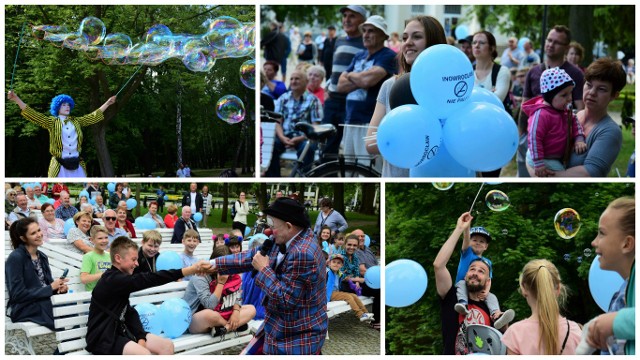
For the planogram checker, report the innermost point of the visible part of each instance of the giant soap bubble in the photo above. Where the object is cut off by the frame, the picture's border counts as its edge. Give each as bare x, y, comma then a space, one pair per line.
230, 109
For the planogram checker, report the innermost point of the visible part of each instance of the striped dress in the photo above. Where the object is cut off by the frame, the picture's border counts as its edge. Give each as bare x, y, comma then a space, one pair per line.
54, 126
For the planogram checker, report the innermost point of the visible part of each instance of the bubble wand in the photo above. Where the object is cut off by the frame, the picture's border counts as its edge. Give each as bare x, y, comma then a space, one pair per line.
15, 62
474, 200
125, 84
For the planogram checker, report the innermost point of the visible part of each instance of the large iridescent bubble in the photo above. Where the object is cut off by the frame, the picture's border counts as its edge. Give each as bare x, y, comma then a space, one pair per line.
230, 109
442, 186
93, 29
115, 48
248, 74
567, 223
496, 200
159, 34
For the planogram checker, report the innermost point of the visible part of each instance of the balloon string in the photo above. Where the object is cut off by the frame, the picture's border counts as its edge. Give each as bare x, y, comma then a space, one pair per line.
125, 84
474, 200
15, 62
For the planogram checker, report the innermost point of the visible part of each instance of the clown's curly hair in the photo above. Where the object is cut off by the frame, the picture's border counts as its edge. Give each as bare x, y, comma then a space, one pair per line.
57, 101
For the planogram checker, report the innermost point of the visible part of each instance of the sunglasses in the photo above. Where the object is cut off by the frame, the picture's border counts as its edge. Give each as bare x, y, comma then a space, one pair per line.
111, 218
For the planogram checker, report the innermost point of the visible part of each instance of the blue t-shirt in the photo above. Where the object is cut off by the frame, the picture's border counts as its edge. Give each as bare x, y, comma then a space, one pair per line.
280, 89
362, 102
466, 258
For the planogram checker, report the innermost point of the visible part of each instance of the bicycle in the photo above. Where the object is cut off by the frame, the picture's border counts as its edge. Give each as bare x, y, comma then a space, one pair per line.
339, 166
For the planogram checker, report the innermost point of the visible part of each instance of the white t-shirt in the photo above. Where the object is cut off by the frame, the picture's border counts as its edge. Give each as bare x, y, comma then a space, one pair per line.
193, 201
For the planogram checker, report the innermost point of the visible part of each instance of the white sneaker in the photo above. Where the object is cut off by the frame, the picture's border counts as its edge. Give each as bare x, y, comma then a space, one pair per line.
461, 308
366, 317
503, 320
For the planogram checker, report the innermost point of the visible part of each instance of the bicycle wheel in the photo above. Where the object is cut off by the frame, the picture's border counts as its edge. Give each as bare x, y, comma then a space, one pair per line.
334, 169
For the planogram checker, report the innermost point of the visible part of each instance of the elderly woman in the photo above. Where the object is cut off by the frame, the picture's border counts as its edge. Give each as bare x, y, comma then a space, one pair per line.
50, 225
79, 235
604, 79
575, 54
172, 216
616, 245
316, 74
153, 215
546, 332
28, 276
330, 217
65, 155
123, 223
484, 50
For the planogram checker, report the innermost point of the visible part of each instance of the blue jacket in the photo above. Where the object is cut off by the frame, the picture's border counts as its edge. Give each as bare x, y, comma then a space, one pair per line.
28, 299
331, 279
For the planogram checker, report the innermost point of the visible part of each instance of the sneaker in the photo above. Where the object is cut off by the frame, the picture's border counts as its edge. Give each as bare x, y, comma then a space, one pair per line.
366, 317
506, 318
242, 328
219, 332
461, 309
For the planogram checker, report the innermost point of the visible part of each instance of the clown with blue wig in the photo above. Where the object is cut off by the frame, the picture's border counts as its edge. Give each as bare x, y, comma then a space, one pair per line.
65, 132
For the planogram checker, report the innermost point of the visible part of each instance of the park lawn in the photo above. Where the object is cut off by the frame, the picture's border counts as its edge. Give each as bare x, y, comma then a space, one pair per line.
628, 146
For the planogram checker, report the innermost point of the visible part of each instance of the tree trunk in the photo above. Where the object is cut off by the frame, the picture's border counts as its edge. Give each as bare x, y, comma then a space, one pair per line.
582, 29
225, 202
179, 125
262, 196
137, 200
368, 194
338, 198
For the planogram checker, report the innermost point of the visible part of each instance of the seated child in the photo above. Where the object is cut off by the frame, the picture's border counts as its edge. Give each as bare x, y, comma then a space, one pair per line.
552, 125
190, 240
216, 302
334, 279
338, 245
114, 327
234, 244
96, 261
474, 244
149, 252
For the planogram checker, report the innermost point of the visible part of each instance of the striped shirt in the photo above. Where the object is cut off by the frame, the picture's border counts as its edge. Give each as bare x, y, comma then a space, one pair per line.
345, 49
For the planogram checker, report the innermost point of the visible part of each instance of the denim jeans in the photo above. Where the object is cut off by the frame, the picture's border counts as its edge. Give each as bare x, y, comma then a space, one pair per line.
279, 149
334, 113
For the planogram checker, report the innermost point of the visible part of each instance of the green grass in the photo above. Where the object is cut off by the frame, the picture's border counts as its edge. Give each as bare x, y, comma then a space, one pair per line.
198, 173
628, 145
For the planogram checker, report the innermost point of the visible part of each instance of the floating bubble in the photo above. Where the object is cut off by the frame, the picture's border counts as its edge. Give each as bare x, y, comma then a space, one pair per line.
53, 33
587, 252
159, 34
230, 109
496, 200
443, 186
579, 259
505, 232
224, 23
76, 42
567, 223
597, 194
152, 54
115, 48
248, 74
93, 30
567, 257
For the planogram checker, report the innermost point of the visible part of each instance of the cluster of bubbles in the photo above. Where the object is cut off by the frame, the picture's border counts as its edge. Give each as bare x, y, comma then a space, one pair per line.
496, 200
225, 37
567, 223
443, 186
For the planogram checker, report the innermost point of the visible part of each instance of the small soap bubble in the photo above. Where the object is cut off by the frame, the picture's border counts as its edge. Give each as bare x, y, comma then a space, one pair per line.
443, 186
587, 252
248, 74
567, 223
567, 257
496, 200
230, 109
505, 232
579, 259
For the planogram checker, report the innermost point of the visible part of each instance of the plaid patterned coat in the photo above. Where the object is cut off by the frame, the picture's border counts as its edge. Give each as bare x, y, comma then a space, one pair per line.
295, 295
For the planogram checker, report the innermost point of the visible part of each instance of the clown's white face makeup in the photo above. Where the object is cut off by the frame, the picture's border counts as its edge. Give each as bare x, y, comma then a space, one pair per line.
65, 109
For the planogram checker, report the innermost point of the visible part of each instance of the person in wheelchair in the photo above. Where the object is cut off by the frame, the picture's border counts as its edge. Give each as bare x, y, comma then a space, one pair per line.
296, 105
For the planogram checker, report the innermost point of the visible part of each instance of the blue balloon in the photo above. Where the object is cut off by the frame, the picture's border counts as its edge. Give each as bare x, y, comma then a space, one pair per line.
166, 197
325, 247
150, 224
176, 317
409, 136
150, 318
372, 277
84, 193
405, 283
111, 187
603, 284
461, 32
247, 231
92, 201
197, 217
441, 80
521, 42
479, 94
169, 260
367, 240
138, 222
131, 203
68, 225
481, 137
443, 165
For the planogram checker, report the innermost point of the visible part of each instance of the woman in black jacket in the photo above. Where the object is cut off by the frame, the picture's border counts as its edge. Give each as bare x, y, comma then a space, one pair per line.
28, 276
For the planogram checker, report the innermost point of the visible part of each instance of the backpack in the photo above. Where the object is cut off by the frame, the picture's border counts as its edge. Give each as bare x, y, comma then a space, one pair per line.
508, 104
233, 210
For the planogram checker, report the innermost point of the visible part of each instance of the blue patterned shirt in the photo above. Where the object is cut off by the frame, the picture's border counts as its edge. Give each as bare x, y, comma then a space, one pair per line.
351, 267
306, 109
65, 213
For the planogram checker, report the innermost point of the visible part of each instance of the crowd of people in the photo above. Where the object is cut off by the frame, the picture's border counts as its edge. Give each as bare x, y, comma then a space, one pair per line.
361, 67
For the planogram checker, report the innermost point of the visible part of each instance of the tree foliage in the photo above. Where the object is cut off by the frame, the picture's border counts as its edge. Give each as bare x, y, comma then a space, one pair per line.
420, 218
321, 15
144, 116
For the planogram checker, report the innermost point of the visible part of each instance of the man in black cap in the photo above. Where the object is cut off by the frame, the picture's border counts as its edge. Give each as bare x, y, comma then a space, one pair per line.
326, 55
293, 279
465, 46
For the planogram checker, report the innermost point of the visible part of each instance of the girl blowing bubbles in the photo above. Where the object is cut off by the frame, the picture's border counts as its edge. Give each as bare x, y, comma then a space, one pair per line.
551, 122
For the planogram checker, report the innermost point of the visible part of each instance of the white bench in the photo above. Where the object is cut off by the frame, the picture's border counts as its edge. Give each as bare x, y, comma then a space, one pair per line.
268, 141
71, 314
167, 234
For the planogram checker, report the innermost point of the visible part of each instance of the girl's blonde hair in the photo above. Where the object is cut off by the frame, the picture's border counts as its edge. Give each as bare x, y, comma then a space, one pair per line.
541, 279
628, 219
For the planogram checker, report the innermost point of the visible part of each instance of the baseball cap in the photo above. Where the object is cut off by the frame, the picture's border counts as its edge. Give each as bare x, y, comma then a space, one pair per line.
356, 8
377, 21
479, 230
336, 256
468, 39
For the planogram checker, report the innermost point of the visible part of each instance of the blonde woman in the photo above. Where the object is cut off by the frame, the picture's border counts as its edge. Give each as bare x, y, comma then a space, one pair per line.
545, 332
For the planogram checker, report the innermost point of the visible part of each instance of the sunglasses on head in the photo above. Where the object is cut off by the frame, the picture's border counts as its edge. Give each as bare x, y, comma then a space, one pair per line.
112, 218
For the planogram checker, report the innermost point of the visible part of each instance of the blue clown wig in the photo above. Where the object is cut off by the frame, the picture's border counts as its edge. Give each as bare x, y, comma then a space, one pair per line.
57, 101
